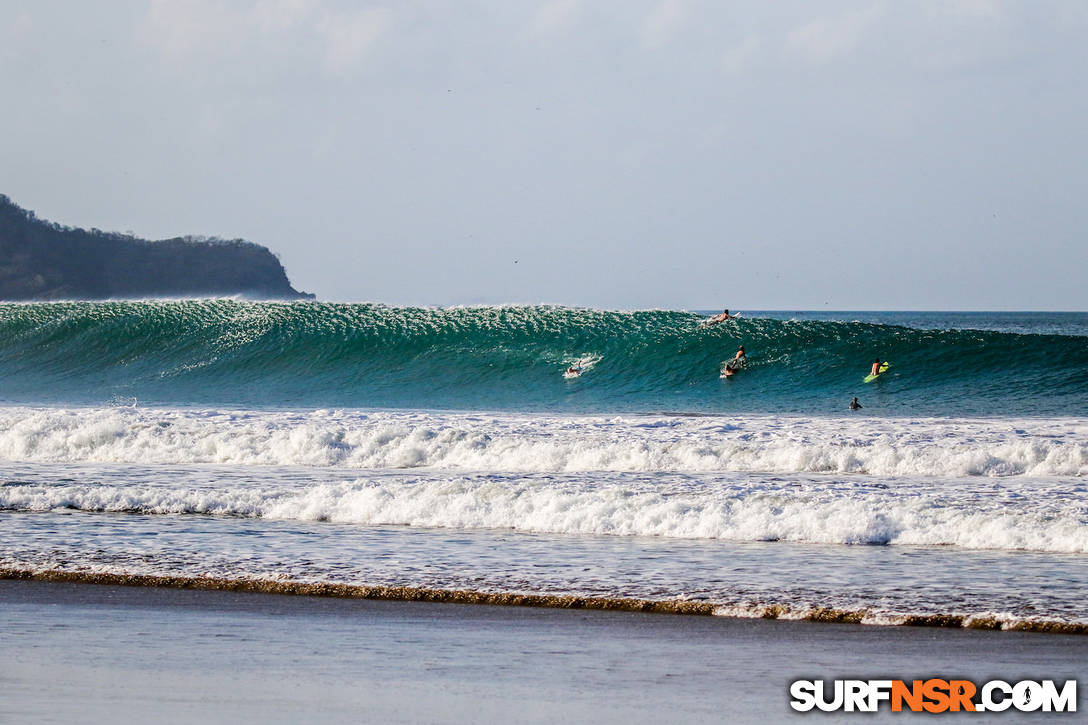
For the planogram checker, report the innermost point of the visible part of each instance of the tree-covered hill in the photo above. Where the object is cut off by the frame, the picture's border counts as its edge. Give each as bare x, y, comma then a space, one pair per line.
40, 260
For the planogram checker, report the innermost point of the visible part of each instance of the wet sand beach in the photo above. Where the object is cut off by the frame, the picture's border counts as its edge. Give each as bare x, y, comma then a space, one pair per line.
96, 653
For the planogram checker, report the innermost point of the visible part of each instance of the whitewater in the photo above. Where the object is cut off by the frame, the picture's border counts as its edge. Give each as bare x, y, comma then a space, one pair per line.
520, 443
444, 449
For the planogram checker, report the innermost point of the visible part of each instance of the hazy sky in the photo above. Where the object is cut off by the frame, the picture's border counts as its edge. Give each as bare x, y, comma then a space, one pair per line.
636, 153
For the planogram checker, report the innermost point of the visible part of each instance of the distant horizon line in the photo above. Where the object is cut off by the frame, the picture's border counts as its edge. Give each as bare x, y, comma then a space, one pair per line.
706, 309
242, 297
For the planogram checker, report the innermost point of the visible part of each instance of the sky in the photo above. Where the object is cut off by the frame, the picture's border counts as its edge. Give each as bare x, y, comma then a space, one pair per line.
689, 154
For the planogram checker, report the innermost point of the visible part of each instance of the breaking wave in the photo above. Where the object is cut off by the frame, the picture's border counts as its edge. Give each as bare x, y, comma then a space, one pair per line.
549, 443
225, 352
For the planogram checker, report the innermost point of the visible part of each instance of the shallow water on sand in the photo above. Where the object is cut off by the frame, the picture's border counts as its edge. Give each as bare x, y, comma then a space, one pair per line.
241, 522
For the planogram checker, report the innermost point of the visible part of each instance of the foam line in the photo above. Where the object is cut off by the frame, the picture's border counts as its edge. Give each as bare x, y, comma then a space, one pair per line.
559, 601
1029, 515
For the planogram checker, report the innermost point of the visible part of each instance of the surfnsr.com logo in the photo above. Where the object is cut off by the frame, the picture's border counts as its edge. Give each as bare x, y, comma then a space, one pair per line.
933, 695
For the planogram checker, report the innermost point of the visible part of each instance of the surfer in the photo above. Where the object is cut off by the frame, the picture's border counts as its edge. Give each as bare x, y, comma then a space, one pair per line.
737, 360
876, 367
721, 318
854, 404
575, 369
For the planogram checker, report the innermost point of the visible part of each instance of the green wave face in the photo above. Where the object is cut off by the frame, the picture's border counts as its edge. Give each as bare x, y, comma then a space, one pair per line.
222, 352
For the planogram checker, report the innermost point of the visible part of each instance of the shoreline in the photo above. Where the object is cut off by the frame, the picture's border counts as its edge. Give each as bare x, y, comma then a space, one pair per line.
103, 653
537, 601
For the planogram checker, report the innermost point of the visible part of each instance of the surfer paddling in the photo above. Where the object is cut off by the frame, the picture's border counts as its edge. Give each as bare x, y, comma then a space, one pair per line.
722, 317
879, 368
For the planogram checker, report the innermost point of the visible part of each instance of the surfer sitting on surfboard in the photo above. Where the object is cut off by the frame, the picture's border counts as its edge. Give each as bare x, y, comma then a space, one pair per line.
876, 367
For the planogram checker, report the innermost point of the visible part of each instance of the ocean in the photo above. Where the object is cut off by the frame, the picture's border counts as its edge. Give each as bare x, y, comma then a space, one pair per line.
443, 449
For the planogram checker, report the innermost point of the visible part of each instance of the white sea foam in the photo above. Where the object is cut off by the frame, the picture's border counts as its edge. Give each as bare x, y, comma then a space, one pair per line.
522, 443
1018, 514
